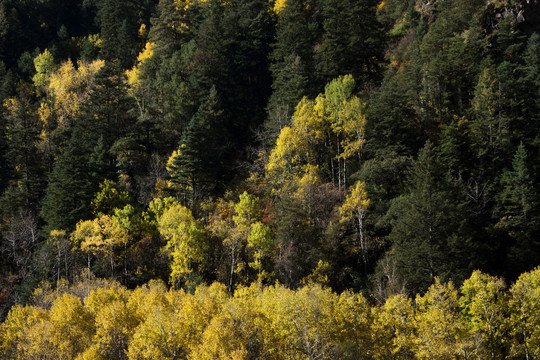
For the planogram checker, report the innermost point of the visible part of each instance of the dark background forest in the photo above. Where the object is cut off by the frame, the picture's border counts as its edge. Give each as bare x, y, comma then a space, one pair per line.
363, 145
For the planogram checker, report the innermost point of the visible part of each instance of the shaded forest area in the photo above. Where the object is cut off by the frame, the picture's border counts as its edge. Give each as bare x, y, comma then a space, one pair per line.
378, 147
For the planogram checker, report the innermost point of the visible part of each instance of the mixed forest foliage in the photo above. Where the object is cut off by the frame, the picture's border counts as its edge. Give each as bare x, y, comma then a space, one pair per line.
320, 162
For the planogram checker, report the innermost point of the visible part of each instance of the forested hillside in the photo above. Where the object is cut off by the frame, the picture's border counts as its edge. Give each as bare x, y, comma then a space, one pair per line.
333, 158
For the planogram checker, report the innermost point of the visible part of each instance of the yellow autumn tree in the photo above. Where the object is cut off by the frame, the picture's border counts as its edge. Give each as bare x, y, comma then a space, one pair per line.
354, 208
284, 158
198, 310
345, 114
260, 241
20, 333
483, 302
115, 323
134, 80
334, 122
72, 326
393, 329
440, 332
101, 237
524, 306
222, 339
279, 5
159, 335
186, 241
69, 87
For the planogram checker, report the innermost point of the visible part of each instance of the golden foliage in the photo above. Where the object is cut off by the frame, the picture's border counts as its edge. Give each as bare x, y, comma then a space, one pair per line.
279, 5
312, 322
68, 88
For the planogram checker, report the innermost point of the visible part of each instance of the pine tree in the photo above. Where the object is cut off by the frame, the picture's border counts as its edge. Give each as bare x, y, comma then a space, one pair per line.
530, 90
351, 42
199, 164
70, 191
174, 25
429, 231
520, 214
235, 39
87, 159
26, 172
292, 67
118, 23
106, 113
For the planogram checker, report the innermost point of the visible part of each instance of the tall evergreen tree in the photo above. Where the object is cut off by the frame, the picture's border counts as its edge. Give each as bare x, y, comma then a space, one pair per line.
292, 67
235, 39
352, 42
70, 190
198, 166
26, 172
530, 85
118, 23
4, 167
520, 214
174, 25
429, 229
107, 113
87, 159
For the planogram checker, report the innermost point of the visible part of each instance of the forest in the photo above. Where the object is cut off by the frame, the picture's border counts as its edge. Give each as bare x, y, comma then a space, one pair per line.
269, 179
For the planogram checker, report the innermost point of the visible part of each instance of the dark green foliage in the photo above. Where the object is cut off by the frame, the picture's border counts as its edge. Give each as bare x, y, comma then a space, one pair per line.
297, 241
106, 113
199, 165
117, 20
70, 191
235, 39
519, 214
429, 229
4, 167
351, 42
397, 16
173, 27
293, 64
26, 25
170, 102
87, 159
24, 170
530, 83
385, 177
394, 124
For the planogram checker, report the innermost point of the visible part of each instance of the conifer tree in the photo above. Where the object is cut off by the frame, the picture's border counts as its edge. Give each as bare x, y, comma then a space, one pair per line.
519, 213
292, 67
351, 42
235, 39
198, 165
117, 20
429, 229
87, 160
26, 172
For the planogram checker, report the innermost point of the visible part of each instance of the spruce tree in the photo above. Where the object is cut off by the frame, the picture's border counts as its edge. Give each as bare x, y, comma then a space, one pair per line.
292, 67
429, 228
520, 214
352, 42
232, 49
70, 191
118, 24
87, 159
200, 166
23, 165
